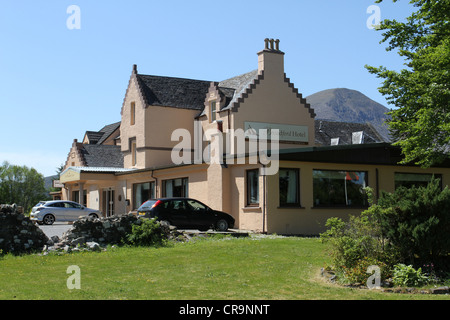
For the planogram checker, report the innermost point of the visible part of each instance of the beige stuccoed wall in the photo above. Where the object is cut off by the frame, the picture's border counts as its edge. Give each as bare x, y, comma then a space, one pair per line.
152, 130
160, 123
74, 158
128, 131
247, 218
264, 104
308, 220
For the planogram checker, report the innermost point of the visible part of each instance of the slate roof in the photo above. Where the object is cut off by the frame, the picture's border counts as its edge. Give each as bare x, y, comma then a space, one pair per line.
326, 130
98, 137
94, 136
107, 131
234, 87
173, 92
99, 155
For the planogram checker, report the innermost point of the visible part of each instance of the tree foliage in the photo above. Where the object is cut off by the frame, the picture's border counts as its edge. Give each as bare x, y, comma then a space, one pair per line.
420, 124
21, 185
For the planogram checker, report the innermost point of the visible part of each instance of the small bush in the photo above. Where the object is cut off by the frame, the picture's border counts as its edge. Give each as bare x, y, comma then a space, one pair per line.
147, 233
358, 273
353, 241
407, 276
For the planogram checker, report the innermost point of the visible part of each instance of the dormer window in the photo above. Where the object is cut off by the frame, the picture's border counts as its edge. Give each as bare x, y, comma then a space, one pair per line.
213, 111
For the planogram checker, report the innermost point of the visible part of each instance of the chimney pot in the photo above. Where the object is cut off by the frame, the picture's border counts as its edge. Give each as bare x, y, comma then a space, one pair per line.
271, 58
271, 44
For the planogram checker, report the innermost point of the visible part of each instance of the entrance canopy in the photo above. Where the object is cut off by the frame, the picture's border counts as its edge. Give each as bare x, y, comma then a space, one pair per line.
74, 174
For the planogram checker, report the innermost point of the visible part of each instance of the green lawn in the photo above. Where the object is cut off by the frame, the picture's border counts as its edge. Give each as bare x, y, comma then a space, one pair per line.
245, 268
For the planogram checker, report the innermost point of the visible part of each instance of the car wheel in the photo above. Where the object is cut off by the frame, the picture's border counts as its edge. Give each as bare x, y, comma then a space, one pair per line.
49, 219
93, 215
222, 225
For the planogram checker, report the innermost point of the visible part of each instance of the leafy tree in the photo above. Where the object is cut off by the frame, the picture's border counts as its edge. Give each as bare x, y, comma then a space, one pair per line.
421, 123
20, 185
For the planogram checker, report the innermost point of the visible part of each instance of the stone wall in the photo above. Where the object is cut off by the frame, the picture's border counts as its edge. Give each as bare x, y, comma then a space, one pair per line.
96, 233
103, 231
18, 234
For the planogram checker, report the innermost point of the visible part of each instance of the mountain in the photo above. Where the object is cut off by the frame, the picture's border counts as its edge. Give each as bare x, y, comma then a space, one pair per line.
347, 105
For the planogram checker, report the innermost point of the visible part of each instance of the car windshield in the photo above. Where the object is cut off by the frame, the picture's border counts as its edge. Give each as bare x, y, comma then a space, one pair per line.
147, 205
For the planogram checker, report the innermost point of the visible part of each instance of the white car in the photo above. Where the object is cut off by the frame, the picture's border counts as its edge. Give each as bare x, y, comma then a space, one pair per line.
60, 210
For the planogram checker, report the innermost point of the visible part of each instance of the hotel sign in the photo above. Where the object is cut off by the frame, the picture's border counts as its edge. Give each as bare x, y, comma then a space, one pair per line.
286, 132
69, 176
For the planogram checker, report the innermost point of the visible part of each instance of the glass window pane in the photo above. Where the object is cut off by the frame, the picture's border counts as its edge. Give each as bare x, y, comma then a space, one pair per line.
253, 187
339, 188
175, 188
143, 192
213, 111
289, 187
413, 179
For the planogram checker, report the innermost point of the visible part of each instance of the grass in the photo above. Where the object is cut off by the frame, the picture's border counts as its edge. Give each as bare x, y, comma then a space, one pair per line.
246, 268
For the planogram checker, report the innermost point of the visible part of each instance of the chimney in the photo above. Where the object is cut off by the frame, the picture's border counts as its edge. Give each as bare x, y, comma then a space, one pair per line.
271, 59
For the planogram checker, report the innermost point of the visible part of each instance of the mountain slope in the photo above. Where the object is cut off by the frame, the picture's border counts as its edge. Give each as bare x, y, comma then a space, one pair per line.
347, 105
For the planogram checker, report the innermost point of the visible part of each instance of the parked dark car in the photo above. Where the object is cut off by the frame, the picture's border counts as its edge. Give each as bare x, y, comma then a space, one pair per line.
186, 213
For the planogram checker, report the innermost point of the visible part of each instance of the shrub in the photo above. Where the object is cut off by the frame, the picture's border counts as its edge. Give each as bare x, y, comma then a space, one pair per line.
408, 226
354, 240
358, 273
147, 233
416, 222
407, 276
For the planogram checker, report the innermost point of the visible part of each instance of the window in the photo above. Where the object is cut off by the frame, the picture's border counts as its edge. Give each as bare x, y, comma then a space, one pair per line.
56, 205
196, 206
339, 188
414, 179
143, 192
72, 205
133, 153
213, 111
253, 187
175, 188
289, 187
132, 113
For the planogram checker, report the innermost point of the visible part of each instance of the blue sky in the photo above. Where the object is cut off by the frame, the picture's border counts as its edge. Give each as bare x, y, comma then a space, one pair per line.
57, 83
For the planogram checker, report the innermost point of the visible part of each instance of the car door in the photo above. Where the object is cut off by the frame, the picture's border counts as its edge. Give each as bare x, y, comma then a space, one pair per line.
72, 211
57, 210
199, 214
177, 213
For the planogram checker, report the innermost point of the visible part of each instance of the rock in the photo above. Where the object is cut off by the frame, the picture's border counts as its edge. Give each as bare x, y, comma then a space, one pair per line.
440, 290
78, 241
92, 245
